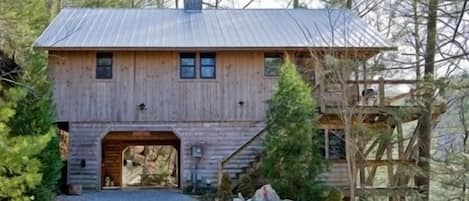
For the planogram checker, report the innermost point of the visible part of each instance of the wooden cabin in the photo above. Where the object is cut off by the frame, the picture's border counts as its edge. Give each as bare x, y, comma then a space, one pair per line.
197, 80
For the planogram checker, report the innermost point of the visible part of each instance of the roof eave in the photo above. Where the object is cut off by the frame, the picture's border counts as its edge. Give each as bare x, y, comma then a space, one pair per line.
224, 48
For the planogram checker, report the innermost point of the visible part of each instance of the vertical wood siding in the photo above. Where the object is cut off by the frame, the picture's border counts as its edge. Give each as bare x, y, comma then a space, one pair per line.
152, 78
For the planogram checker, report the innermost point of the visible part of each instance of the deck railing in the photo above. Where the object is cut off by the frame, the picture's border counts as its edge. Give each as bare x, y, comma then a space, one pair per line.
361, 91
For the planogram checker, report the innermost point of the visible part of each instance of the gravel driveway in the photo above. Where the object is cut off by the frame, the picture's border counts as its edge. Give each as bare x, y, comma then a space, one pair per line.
134, 195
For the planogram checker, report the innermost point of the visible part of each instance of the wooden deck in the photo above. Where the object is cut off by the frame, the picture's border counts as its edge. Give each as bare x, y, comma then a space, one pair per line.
377, 114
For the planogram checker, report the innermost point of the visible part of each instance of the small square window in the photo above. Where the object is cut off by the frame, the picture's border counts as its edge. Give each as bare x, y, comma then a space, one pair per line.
272, 63
207, 66
187, 65
103, 65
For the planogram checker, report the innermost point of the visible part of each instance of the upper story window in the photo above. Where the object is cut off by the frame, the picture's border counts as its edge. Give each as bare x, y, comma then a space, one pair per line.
207, 66
103, 65
187, 65
272, 63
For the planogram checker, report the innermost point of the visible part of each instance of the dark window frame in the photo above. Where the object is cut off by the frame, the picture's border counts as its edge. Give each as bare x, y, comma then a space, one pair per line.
104, 67
338, 134
214, 66
273, 55
181, 66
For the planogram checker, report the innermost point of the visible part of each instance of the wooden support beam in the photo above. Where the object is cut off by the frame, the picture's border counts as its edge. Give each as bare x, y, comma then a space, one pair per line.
381, 92
371, 147
384, 81
361, 158
389, 158
400, 140
377, 163
322, 83
387, 191
379, 156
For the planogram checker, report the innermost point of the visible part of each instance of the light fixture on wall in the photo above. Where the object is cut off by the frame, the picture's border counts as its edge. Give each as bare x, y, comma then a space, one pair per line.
142, 106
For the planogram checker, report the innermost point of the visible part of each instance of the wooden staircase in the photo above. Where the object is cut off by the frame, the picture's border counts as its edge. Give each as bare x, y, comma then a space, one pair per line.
241, 159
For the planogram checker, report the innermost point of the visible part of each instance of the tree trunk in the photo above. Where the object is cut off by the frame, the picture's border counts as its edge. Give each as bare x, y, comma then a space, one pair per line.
425, 135
296, 3
348, 4
465, 149
416, 39
54, 9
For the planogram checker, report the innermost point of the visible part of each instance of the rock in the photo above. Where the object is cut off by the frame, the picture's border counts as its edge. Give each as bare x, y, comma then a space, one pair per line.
74, 189
266, 193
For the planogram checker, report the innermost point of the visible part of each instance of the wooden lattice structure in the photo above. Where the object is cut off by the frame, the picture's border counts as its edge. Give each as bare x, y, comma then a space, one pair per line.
382, 156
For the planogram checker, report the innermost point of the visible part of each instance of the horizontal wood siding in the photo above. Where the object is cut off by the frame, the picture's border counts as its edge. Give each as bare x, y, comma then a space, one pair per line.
217, 139
152, 78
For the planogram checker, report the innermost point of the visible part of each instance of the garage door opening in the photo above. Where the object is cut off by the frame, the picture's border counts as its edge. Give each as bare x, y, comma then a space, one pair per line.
140, 160
150, 166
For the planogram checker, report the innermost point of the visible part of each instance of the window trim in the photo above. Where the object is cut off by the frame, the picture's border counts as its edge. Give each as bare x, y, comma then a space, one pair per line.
97, 66
326, 140
181, 66
209, 55
272, 55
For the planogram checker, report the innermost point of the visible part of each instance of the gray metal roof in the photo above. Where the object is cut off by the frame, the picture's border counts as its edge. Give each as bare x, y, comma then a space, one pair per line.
230, 28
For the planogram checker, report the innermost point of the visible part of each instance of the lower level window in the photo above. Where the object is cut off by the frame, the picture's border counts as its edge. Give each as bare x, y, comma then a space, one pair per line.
336, 145
333, 146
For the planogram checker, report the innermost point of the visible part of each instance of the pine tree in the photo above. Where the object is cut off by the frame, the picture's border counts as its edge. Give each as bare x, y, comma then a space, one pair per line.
19, 167
292, 161
35, 116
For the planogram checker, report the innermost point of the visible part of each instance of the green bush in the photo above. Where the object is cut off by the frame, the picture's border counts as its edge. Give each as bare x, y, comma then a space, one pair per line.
335, 195
246, 186
292, 161
35, 115
19, 166
224, 191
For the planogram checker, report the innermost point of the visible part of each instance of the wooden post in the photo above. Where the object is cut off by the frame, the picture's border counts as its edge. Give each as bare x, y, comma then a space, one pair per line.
389, 158
219, 173
322, 83
357, 85
400, 139
442, 87
381, 92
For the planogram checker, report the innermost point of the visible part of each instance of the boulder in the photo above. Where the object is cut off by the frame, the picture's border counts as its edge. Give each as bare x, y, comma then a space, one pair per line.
266, 193
74, 189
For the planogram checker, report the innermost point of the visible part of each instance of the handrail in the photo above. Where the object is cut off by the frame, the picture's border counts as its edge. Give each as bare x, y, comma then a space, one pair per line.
225, 160
381, 99
384, 81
